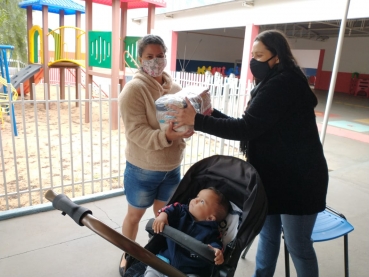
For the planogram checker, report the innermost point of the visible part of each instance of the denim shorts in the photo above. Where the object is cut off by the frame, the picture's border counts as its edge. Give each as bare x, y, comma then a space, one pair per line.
143, 186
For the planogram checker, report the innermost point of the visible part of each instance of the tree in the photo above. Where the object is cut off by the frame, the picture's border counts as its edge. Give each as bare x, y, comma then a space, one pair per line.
13, 28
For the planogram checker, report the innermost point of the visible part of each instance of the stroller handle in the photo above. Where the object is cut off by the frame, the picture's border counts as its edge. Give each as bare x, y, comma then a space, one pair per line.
83, 217
63, 203
191, 244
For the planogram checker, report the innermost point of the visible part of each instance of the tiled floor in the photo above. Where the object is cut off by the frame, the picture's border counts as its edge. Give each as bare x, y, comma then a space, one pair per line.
349, 125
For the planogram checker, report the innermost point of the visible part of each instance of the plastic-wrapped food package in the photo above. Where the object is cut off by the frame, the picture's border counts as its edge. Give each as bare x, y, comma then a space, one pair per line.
199, 97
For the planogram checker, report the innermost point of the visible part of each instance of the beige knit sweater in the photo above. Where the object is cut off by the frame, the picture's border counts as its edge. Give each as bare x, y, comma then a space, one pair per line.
147, 146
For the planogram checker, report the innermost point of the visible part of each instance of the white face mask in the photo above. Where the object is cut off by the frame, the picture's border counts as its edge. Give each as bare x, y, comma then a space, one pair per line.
154, 67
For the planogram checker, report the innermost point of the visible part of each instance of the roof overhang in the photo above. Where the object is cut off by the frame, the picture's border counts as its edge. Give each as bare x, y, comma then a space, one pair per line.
54, 6
134, 4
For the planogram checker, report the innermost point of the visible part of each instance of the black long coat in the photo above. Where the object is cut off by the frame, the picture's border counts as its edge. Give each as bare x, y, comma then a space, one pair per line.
283, 142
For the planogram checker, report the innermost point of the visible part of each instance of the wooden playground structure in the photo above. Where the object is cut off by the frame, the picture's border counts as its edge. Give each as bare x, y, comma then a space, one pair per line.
106, 54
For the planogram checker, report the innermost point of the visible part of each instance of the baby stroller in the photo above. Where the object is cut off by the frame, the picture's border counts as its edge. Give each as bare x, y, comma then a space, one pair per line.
236, 179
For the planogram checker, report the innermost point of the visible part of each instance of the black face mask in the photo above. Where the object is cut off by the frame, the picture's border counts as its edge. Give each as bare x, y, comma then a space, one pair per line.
259, 69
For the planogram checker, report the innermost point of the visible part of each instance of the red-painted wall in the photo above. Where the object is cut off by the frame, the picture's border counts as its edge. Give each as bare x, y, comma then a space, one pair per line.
343, 81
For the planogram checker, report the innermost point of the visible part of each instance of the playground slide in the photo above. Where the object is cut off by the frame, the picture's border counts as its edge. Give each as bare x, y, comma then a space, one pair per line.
26, 85
26, 73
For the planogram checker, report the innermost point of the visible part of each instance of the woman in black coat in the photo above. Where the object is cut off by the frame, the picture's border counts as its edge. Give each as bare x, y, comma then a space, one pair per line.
280, 138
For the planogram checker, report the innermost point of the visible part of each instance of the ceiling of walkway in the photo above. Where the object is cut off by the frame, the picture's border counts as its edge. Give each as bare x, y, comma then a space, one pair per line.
318, 30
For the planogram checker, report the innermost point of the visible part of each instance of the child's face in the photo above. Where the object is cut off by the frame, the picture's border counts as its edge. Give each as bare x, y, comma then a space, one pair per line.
204, 206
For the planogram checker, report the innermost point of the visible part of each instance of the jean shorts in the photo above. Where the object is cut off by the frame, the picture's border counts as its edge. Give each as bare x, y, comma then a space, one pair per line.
143, 186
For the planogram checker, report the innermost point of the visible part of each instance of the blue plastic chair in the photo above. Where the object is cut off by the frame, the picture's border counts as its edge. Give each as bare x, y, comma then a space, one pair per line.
329, 225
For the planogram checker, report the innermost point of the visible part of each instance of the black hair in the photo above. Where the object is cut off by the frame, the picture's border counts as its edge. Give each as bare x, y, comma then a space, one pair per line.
150, 39
223, 205
276, 42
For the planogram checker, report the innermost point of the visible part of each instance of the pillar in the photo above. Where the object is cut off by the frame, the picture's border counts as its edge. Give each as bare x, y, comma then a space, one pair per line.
173, 51
88, 19
61, 69
78, 57
251, 31
123, 34
29, 26
151, 18
45, 32
115, 61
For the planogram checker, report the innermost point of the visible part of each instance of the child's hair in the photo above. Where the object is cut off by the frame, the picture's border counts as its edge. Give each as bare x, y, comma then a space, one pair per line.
223, 205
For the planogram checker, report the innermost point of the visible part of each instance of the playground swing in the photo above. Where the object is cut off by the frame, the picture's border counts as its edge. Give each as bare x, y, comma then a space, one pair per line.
4, 80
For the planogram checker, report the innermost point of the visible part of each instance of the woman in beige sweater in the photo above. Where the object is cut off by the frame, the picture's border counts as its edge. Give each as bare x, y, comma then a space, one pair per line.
153, 156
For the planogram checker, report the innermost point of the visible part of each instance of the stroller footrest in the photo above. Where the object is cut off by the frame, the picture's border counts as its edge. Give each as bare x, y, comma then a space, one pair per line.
226, 271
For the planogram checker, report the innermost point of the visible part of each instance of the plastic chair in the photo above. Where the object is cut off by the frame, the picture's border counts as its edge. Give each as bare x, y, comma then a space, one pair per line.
329, 225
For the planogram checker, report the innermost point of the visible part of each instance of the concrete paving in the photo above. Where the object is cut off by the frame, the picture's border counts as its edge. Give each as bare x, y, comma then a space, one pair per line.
48, 244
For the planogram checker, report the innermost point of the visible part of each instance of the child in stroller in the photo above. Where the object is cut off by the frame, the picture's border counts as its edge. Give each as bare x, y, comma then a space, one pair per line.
200, 220
239, 182
236, 179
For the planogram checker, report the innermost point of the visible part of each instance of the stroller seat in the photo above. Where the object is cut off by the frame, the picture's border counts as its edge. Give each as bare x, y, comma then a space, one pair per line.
242, 186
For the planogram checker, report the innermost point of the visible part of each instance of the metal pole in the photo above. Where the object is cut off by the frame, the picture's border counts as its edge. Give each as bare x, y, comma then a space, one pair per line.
334, 73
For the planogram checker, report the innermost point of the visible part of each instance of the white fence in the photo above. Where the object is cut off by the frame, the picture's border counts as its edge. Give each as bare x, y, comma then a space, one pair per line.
56, 149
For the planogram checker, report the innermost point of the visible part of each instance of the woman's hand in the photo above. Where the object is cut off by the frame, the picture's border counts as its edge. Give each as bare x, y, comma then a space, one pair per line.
171, 134
184, 116
219, 258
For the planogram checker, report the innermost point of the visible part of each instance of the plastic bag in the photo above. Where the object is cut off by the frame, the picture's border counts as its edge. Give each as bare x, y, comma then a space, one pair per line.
199, 98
